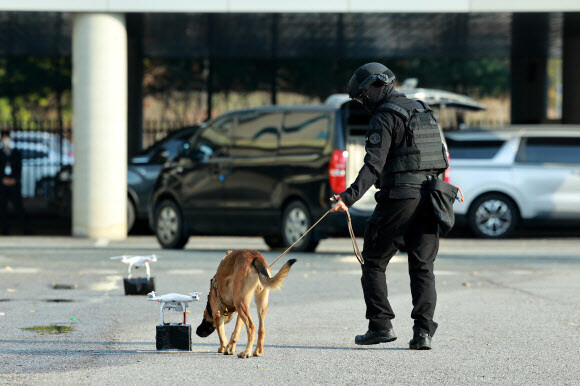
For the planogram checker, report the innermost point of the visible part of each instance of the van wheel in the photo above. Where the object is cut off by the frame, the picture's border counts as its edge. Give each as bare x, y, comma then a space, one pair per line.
493, 216
130, 214
296, 220
170, 228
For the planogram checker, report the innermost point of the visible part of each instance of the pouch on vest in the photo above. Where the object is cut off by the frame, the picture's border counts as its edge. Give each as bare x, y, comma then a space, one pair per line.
443, 195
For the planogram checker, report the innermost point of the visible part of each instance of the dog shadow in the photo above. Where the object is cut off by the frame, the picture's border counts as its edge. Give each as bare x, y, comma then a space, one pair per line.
294, 347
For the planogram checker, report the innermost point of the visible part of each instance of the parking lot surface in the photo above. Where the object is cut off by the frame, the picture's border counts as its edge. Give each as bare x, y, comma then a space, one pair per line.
508, 311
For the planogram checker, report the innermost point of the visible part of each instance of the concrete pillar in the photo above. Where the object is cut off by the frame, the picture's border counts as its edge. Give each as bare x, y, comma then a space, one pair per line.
529, 60
99, 85
571, 69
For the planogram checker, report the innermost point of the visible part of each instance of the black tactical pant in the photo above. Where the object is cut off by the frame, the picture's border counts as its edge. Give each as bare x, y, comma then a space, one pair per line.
12, 194
396, 222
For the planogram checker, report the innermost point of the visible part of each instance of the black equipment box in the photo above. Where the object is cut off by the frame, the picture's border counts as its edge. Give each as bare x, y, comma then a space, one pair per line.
138, 286
173, 336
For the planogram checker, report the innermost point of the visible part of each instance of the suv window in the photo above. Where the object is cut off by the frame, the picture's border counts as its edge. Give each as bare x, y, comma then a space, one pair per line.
565, 150
256, 134
214, 140
174, 144
473, 149
304, 132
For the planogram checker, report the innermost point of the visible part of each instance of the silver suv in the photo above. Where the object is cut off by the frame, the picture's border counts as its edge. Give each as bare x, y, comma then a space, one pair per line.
519, 174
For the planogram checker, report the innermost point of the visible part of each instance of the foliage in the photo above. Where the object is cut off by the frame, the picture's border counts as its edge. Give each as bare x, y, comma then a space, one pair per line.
34, 87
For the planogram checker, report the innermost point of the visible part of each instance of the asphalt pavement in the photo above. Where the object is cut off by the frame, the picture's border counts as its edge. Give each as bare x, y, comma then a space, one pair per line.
508, 312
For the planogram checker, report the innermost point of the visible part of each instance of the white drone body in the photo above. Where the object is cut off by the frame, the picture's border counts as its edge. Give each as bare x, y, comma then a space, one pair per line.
137, 261
173, 301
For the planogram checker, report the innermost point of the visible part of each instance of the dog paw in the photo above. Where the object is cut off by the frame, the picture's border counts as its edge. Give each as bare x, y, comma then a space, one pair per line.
229, 350
221, 349
244, 354
258, 352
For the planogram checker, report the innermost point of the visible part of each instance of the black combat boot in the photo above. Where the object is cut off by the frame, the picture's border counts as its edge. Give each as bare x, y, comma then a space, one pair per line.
375, 337
420, 341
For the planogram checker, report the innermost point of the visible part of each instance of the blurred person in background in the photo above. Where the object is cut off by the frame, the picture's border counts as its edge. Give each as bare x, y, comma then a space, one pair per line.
405, 158
10, 183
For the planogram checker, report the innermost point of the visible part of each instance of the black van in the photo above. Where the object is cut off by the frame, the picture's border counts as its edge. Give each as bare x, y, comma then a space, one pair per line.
270, 171
267, 171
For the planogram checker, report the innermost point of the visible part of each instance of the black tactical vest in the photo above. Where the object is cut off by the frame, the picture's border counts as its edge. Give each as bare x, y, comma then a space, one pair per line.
423, 148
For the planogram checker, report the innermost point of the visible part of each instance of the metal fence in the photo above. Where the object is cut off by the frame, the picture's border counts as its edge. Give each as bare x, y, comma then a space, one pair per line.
156, 130
47, 147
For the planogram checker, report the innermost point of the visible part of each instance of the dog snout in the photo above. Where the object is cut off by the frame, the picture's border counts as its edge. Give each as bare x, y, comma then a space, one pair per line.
205, 329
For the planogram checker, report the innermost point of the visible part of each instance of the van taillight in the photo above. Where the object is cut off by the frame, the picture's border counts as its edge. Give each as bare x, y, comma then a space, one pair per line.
447, 173
337, 171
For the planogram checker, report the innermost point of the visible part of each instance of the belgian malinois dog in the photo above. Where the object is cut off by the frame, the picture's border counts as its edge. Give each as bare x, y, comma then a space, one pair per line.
241, 275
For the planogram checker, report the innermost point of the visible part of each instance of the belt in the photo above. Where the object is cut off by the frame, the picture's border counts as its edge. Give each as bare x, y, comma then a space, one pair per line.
407, 179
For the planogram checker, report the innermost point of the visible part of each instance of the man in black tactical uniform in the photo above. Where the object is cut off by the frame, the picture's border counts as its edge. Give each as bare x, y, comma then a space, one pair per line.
11, 183
405, 154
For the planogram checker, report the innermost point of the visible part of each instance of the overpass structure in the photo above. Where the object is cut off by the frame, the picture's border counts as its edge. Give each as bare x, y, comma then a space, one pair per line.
103, 99
302, 6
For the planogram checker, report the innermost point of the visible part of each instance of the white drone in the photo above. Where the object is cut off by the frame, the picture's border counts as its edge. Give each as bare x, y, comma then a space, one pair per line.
173, 301
137, 261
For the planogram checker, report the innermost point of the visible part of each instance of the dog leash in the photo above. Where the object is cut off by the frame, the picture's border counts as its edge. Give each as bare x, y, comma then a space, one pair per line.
350, 231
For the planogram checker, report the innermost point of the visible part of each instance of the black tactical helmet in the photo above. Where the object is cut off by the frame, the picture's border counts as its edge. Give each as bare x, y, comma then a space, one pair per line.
366, 75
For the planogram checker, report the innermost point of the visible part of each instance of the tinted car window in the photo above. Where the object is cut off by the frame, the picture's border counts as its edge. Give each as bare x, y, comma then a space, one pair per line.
256, 134
174, 145
304, 132
473, 149
549, 150
214, 140
168, 143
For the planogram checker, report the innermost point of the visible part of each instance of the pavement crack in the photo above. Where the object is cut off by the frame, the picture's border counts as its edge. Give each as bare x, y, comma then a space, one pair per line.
523, 291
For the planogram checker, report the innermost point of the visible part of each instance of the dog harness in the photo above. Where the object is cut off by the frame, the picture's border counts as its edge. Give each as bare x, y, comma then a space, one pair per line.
224, 308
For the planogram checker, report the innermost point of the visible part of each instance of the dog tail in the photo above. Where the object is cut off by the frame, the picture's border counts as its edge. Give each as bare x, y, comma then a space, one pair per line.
272, 282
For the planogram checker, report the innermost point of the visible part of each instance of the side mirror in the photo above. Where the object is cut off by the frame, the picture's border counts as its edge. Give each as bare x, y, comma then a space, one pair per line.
202, 154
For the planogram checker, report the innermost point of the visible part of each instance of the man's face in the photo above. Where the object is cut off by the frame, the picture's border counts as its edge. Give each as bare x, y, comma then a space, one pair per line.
6, 142
371, 98
375, 93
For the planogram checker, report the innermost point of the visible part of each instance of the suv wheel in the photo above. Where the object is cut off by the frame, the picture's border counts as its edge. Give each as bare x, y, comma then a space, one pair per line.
170, 229
296, 221
130, 215
493, 216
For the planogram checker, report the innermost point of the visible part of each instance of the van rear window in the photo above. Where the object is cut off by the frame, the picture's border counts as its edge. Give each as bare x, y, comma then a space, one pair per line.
473, 149
304, 132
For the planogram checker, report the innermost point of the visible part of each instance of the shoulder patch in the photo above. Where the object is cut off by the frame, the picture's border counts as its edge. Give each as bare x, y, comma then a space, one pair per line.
374, 138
